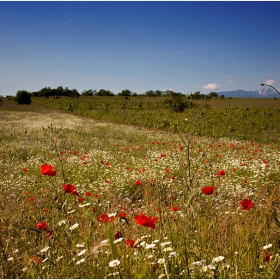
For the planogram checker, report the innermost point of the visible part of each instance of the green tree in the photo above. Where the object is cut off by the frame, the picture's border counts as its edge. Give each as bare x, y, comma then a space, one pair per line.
158, 93
59, 91
198, 95
177, 103
150, 93
213, 94
125, 92
88, 92
23, 97
74, 93
104, 92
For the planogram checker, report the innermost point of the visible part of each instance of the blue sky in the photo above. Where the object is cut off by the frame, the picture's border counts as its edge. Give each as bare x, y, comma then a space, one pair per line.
140, 46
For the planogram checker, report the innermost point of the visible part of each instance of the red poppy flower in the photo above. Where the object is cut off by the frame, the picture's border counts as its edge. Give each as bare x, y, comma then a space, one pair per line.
121, 214
267, 257
246, 204
24, 169
75, 152
118, 235
137, 182
221, 173
36, 259
47, 170
68, 188
175, 208
130, 243
31, 199
41, 226
88, 193
80, 199
208, 190
104, 218
146, 221
50, 234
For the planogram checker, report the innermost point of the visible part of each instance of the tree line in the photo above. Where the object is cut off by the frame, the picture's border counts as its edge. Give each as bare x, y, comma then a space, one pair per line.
24, 97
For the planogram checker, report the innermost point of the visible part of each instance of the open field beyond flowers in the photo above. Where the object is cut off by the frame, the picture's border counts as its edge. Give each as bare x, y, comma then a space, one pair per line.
86, 199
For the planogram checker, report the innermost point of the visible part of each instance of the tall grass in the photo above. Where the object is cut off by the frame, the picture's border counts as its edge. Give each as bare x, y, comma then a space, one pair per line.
120, 172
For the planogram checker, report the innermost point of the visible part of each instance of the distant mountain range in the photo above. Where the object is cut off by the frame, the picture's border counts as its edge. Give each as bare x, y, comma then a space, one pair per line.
262, 93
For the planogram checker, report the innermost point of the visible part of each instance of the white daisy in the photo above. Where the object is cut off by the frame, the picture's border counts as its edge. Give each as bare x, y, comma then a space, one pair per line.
114, 263
80, 261
218, 259
82, 252
74, 226
45, 249
267, 246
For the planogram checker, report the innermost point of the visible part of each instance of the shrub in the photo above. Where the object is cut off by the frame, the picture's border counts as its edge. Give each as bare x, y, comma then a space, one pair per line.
23, 97
177, 103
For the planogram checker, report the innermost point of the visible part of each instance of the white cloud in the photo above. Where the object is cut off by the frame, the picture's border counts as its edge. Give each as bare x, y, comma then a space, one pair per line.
228, 82
269, 82
213, 86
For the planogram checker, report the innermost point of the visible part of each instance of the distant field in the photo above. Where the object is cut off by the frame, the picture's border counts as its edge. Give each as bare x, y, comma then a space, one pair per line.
247, 119
213, 103
245, 102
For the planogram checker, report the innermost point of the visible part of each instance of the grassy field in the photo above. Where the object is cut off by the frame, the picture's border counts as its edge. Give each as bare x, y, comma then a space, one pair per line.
84, 198
244, 119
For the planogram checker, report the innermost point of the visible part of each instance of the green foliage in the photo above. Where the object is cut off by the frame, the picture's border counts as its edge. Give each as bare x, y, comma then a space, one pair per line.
23, 97
178, 103
11, 97
213, 94
197, 96
58, 92
152, 93
89, 92
216, 117
125, 92
104, 92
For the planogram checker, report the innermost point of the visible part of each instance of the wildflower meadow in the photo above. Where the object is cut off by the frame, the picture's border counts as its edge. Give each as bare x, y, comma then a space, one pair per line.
82, 198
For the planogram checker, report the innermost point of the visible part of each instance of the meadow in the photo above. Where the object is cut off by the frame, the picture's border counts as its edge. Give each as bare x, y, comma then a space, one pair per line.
239, 118
171, 195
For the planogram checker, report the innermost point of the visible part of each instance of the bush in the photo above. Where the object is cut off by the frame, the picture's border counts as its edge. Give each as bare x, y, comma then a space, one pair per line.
23, 97
177, 103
